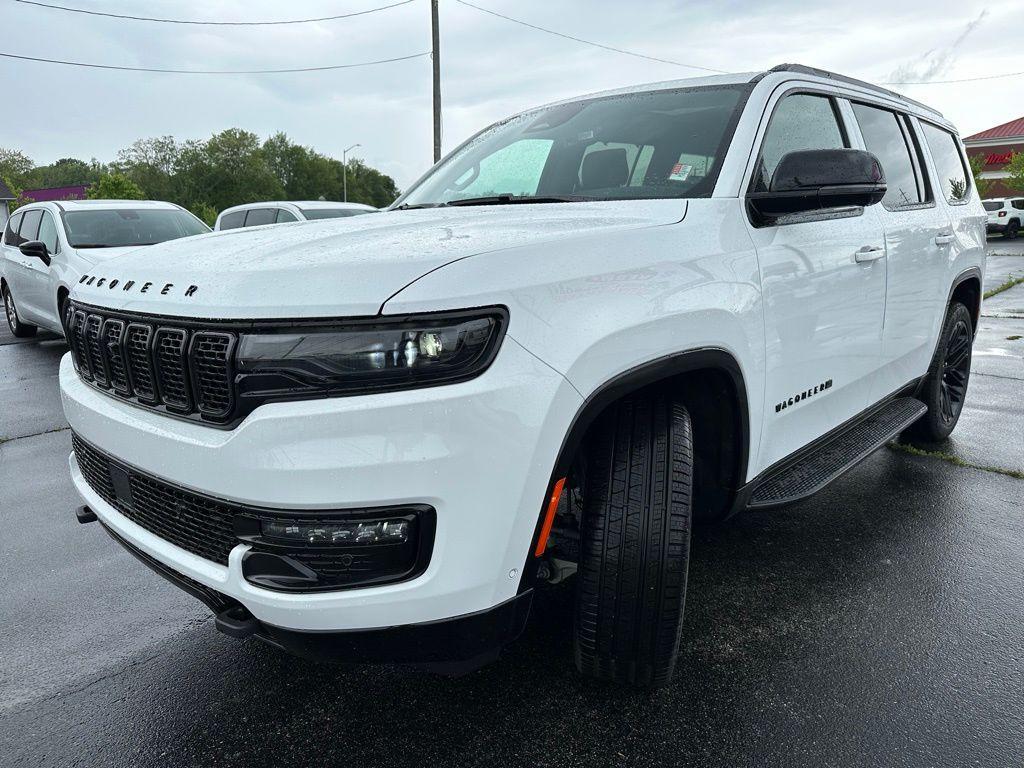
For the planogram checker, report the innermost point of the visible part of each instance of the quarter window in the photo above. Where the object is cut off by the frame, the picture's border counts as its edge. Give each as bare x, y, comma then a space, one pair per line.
257, 216
886, 138
30, 226
11, 232
801, 121
284, 216
48, 232
949, 164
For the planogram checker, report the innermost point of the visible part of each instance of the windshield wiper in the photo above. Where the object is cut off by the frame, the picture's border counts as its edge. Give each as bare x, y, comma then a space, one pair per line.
414, 206
513, 199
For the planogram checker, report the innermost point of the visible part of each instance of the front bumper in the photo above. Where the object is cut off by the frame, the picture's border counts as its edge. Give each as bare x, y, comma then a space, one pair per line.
480, 453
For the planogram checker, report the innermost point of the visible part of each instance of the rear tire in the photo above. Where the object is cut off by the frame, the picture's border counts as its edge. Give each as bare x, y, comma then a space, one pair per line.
635, 542
18, 328
945, 385
1012, 229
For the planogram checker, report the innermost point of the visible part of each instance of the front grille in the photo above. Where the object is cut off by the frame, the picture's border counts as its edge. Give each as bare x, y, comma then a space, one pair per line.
185, 371
195, 523
211, 527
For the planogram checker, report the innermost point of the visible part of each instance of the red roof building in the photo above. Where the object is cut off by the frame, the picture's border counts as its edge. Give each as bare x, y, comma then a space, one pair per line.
996, 146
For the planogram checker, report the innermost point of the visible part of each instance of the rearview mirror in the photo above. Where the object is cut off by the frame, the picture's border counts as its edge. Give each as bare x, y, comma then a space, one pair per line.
37, 250
819, 179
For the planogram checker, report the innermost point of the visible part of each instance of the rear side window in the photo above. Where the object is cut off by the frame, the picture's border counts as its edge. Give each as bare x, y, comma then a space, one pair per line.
257, 216
800, 121
886, 137
1018, 204
232, 220
284, 216
30, 225
11, 232
48, 232
949, 165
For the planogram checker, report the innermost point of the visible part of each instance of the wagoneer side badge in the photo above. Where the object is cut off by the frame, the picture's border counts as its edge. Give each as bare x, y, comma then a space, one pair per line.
128, 285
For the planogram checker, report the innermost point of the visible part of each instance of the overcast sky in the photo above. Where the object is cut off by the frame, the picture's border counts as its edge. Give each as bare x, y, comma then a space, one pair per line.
491, 67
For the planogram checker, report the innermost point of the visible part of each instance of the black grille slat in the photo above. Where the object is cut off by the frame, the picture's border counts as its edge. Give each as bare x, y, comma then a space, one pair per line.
80, 351
210, 364
93, 325
169, 348
140, 364
112, 341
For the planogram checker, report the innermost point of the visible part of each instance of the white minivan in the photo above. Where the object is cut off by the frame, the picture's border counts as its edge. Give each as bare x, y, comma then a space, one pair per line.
281, 212
47, 247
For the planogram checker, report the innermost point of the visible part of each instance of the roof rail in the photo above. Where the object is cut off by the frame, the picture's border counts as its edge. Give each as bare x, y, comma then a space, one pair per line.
805, 70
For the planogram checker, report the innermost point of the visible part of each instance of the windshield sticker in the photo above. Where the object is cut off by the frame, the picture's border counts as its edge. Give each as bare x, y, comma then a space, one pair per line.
680, 172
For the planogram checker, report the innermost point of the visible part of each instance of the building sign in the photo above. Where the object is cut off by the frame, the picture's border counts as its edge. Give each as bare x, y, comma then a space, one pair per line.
999, 158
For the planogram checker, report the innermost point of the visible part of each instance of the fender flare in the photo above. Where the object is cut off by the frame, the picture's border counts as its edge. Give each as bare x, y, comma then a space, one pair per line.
631, 380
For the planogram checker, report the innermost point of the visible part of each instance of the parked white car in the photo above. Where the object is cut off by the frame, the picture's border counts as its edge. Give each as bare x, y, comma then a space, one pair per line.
281, 212
589, 326
47, 247
1005, 215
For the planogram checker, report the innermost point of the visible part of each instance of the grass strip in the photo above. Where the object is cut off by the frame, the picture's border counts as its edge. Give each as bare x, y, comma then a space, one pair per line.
1004, 287
942, 455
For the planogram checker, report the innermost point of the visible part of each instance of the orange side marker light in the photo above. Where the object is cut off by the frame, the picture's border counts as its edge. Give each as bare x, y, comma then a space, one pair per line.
549, 518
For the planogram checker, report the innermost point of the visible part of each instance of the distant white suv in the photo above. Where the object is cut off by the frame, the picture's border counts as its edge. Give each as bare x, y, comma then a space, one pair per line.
1005, 215
258, 214
589, 326
47, 247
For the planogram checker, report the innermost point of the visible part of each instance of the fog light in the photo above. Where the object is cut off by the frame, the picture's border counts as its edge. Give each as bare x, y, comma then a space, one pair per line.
340, 532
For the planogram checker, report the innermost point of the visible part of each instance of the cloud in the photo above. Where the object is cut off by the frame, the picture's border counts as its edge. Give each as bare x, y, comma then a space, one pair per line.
936, 62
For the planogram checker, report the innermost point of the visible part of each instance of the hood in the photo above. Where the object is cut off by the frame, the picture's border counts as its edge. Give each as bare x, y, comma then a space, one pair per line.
339, 267
99, 255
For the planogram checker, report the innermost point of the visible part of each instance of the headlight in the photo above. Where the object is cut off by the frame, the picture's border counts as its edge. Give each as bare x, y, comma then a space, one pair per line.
361, 356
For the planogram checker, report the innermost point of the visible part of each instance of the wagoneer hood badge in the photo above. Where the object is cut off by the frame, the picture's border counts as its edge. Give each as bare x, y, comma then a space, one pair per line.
110, 283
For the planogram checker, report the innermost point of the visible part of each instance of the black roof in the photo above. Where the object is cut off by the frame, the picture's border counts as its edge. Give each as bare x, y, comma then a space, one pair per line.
5, 192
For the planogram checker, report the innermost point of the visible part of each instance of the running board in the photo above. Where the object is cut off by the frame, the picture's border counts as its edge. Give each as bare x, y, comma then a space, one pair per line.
835, 455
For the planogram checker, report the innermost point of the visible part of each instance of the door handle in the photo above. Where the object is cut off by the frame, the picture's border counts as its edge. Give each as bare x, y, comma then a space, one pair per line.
944, 239
869, 253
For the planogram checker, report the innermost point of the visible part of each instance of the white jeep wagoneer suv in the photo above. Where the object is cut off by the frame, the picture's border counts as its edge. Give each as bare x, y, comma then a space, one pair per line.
588, 327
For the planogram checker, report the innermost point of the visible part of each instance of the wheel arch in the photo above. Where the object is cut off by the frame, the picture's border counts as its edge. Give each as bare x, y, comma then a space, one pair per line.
966, 288
713, 376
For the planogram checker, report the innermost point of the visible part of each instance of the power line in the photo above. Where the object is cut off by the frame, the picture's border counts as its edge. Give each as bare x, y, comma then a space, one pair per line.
210, 23
589, 42
961, 80
216, 71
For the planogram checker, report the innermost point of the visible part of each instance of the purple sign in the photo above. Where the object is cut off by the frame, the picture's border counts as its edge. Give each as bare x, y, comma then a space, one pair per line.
56, 193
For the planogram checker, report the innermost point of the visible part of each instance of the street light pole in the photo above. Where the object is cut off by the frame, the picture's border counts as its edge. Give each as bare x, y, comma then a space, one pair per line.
344, 171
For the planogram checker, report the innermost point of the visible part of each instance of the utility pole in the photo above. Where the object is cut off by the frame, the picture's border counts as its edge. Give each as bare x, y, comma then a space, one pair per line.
344, 171
435, 57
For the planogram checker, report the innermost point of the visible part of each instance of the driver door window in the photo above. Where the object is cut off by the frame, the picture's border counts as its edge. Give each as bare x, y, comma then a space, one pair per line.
800, 121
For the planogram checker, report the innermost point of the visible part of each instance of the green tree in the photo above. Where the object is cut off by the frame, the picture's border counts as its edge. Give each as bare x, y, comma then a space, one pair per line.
15, 166
151, 163
1016, 171
66, 172
984, 186
115, 186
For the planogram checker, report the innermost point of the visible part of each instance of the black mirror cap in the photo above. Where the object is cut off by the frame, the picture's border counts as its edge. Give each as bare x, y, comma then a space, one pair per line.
820, 179
37, 250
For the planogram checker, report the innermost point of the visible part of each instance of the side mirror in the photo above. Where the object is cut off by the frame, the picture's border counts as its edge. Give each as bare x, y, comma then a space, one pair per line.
819, 179
37, 250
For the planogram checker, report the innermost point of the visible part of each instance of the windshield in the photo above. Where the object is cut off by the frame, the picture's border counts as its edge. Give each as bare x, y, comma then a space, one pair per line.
993, 205
661, 144
312, 214
127, 227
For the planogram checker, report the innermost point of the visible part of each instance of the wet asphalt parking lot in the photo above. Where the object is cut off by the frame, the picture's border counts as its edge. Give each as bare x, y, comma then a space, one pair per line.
879, 623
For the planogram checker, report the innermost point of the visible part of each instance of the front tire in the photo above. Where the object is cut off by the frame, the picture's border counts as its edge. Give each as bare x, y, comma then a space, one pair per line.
635, 542
18, 328
945, 385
